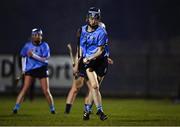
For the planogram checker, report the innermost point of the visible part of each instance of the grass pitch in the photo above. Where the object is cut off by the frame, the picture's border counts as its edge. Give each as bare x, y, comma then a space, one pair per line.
120, 112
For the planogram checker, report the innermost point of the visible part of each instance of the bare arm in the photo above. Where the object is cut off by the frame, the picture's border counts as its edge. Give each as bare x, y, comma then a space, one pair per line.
35, 56
97, 54
42, 59
110, 61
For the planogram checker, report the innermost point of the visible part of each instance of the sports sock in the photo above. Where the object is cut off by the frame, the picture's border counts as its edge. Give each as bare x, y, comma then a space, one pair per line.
90, 107
87, 107
99, 108
17, 107
68, 108
52, 108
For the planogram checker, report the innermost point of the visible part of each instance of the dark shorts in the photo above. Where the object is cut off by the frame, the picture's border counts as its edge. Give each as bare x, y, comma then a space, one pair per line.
82, 69
41, 72
100, 66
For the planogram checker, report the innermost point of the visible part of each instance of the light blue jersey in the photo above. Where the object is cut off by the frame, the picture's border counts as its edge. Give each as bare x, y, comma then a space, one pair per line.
90, 41
42, 50
101, 24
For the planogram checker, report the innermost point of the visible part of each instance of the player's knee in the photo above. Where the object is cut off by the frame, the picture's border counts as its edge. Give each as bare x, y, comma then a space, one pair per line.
21, 94
76, 90
46, 92
95, 86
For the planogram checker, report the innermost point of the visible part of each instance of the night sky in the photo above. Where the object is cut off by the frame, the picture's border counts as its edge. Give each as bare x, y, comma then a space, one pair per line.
130, 20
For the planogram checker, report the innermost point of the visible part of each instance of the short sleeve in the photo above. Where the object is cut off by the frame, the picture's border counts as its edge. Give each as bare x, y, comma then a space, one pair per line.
23, 52
46, 50
102, 39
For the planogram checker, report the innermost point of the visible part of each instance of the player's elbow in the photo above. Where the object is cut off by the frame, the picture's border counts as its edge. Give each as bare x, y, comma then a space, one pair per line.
100, 51
94, 85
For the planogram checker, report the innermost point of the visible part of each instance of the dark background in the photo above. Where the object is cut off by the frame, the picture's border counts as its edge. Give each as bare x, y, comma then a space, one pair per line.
144, 38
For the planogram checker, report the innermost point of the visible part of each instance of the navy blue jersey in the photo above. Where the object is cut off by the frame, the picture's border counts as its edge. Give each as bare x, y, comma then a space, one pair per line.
42, 50
90, 41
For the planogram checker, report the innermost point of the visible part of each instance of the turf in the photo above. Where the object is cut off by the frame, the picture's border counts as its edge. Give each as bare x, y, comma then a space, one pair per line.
120, 112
